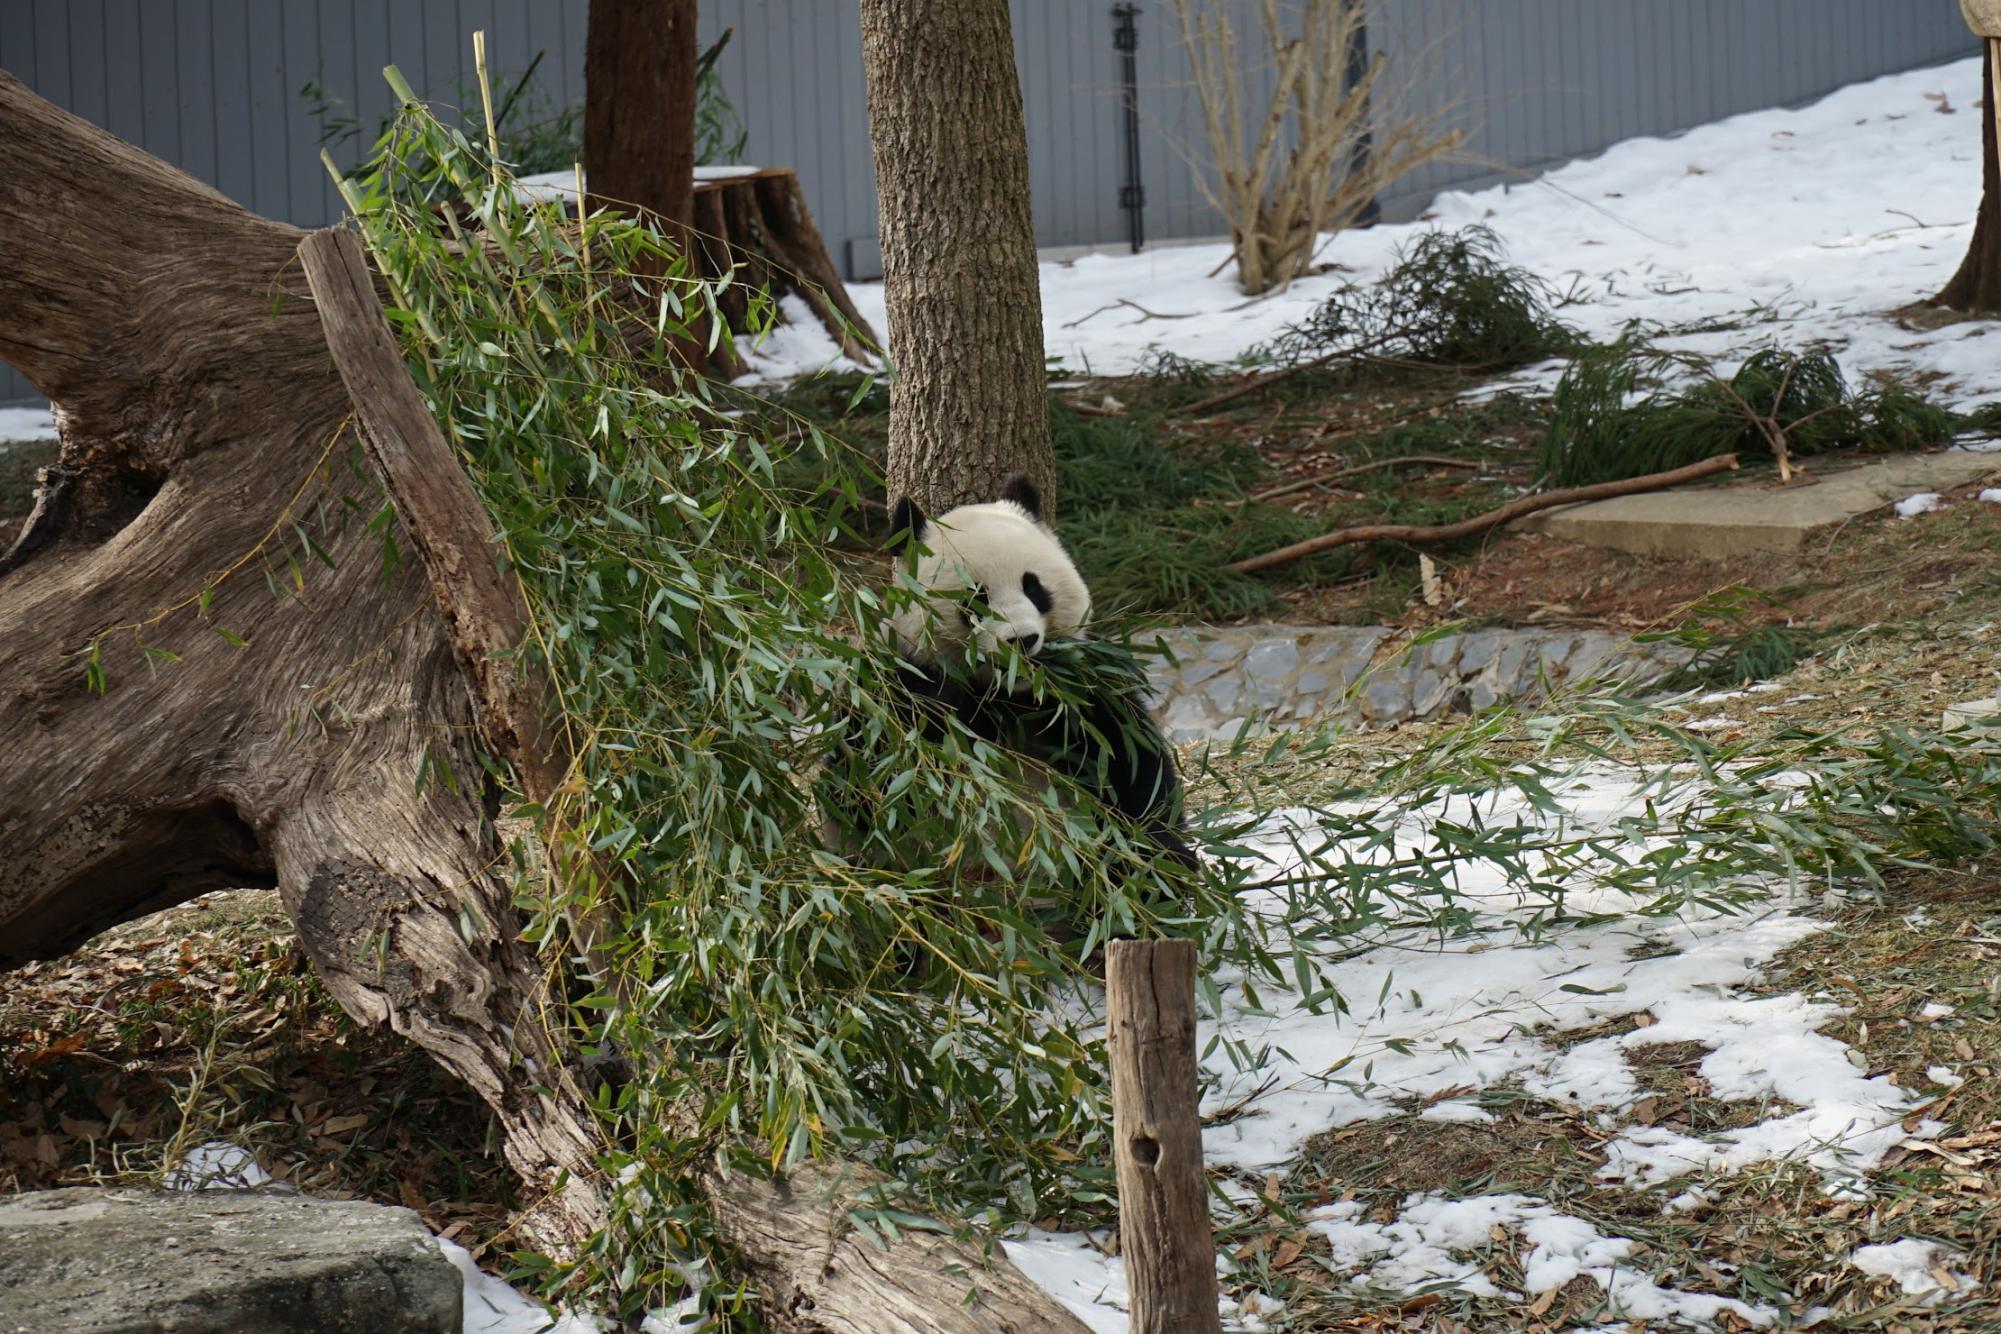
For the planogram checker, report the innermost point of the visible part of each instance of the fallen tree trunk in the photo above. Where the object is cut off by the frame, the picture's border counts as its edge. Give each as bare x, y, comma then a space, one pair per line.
268, 710
1480, 523
214, 685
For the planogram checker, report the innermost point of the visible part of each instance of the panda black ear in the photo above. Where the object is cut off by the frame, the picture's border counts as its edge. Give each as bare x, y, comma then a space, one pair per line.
906, 524
1023, 493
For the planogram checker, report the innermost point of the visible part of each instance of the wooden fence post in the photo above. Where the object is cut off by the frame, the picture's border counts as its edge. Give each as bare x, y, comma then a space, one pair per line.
1164, 1232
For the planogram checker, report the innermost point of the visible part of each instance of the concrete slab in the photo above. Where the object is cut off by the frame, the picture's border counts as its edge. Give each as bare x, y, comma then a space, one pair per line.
1759, 517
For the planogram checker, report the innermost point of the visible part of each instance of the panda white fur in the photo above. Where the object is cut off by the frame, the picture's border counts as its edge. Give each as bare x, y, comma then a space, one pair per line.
995, 574
1024, 589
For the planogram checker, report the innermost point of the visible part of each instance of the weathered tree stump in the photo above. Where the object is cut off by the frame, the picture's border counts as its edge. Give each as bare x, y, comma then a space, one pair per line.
751, 226
211, 684
1164, 1230
759, 220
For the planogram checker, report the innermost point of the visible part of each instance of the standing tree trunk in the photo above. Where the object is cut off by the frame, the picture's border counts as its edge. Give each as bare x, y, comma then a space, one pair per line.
1164, 1230
1976, 287
968, 406
640, 62
639, 108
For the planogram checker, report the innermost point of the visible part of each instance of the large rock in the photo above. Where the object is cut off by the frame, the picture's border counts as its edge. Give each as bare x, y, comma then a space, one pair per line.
218, 1262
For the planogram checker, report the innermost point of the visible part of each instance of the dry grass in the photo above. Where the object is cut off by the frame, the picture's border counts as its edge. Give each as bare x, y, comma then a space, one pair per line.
204, 1023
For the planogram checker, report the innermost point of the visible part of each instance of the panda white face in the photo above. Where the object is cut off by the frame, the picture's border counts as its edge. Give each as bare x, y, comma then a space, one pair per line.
998, 575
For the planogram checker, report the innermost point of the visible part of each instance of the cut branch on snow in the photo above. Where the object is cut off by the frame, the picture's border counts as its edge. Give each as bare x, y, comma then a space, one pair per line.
1480, 523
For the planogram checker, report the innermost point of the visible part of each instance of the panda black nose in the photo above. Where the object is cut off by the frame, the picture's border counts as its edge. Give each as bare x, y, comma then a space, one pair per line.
1029, 643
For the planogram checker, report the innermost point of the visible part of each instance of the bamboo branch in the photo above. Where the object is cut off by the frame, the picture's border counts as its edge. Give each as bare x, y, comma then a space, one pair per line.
1480, 523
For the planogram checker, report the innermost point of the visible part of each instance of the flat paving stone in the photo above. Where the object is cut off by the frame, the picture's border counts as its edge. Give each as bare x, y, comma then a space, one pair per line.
1758, 517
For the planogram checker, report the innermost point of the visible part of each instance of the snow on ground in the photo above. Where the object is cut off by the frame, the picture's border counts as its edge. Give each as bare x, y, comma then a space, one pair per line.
1082, 1277
1817, 221
1423, 1245
1914, 1264
492, 1307
1478, 1011
1429, 1017
1922, 502
23, 425
218, 1165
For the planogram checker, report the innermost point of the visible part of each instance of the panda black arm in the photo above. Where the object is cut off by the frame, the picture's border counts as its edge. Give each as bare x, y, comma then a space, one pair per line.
932, 696
1132, 768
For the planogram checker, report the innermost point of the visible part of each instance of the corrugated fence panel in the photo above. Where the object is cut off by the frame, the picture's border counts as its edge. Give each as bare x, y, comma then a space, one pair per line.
1537, 82
218, 86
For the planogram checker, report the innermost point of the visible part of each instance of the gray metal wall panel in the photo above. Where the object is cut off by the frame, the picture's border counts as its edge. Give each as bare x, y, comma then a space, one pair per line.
214, 85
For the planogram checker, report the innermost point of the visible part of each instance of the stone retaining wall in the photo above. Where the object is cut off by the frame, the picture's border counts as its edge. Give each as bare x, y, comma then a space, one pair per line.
1290, 675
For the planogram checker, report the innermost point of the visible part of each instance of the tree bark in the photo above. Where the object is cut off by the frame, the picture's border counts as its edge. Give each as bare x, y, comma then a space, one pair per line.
818, 1272
1164, 1230
968, 406
639, 108
203, 432
1976, 287
206, 467
640, 59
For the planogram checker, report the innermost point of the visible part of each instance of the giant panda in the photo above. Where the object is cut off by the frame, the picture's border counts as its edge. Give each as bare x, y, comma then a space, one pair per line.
994, 578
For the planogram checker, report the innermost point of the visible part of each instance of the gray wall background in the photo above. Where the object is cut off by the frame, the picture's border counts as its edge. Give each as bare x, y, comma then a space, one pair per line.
214, 86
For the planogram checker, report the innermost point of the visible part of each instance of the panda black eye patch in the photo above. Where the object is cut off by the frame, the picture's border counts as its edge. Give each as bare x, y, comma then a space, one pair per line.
1037, 595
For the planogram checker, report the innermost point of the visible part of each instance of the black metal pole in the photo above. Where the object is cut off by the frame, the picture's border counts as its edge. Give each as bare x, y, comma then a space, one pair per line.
1358, 160
1132, 192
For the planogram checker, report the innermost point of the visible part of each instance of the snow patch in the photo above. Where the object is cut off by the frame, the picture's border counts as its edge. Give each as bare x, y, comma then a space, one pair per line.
1434, 1240
1784, 236
218, 1165
26, 425
799, 345
1915, 1266
493, 1307
1071, 1268
1923, 502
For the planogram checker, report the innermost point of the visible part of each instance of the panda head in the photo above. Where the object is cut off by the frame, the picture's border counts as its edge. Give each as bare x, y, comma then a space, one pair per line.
994, 574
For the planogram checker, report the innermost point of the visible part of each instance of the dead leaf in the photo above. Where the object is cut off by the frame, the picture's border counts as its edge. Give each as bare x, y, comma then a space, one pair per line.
60, 1047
